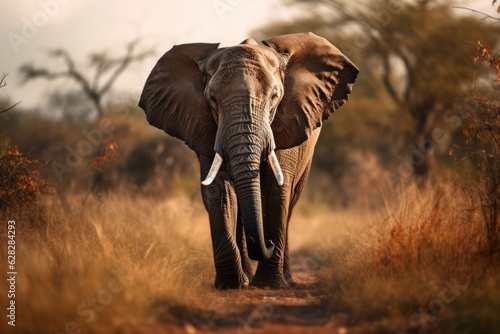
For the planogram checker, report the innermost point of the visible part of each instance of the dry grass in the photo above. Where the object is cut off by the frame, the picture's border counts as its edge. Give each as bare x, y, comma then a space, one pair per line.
393, 274
378, 269
161, 252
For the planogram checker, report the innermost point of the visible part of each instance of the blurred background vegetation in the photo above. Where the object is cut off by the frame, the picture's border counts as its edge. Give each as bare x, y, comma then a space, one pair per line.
410, 105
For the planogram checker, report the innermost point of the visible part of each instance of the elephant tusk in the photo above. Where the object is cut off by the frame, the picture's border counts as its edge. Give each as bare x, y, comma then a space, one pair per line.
214, 169
275, 166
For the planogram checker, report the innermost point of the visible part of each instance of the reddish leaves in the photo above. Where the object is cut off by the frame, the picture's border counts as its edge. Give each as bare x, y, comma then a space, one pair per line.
108, 151
485, 54
20, 177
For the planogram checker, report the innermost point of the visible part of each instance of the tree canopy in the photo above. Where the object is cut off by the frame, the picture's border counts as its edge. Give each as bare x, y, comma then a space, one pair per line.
415, 59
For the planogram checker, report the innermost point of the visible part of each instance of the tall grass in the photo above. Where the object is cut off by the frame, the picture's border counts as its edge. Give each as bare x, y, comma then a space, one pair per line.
130, 264
393, 274
110, 264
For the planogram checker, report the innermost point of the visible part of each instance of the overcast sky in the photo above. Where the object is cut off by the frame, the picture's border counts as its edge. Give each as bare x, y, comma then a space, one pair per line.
28, 28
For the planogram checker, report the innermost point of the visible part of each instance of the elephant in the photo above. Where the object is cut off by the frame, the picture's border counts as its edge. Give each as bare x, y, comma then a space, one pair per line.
252, 113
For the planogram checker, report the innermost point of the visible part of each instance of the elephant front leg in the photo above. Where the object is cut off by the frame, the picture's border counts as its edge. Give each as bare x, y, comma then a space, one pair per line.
278, 206
221, 203
272, 273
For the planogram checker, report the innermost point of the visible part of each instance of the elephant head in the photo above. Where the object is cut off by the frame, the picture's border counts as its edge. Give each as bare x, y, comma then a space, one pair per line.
239, 104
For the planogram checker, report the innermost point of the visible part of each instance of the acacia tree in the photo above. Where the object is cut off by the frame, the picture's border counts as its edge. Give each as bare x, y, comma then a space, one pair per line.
418, 51
106, 69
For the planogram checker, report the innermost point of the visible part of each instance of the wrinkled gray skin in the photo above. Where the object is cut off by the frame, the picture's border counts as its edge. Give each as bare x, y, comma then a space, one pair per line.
242, 102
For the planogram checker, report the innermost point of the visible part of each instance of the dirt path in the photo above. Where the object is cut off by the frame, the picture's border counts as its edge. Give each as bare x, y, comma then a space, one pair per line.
293, 310
256, 311
301, 309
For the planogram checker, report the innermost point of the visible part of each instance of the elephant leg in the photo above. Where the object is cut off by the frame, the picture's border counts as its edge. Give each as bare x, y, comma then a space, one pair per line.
295, 197
270, 273
278, 203
287, 273
220, 201
275, 204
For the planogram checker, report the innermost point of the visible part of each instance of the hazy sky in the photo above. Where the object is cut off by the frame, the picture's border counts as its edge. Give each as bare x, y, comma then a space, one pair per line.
28, 28
83, 26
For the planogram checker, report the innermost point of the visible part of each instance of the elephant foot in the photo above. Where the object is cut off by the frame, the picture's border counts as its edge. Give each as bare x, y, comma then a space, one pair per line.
289, 279
227, 284
247, 269
272, 282
291, 282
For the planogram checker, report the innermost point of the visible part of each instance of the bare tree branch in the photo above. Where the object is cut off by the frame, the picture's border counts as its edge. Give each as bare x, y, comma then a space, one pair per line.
102, 64
486, 16
410, 73
122, 65
2, 80
386, 80
9, 108
3, 83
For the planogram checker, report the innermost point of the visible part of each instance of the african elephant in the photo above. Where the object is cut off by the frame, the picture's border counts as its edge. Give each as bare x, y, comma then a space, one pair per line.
252, 113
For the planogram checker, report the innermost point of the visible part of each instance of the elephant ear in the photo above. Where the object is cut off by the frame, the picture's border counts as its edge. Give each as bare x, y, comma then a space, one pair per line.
318, 80
173, 97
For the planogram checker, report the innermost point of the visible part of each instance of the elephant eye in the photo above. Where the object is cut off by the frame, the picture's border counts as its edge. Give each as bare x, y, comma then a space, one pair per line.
274, 97
213, 101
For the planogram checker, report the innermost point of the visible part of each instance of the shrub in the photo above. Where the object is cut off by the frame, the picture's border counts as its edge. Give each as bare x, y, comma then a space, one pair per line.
20, 178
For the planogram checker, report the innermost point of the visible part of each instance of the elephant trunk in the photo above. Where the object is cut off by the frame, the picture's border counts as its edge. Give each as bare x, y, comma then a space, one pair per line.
249, 199
244, 157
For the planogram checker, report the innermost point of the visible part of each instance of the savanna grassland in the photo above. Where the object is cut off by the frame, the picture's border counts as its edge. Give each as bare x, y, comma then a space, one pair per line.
131, 264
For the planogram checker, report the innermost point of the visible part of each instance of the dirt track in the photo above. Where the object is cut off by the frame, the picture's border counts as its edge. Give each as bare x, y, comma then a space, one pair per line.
255, 311
296, 310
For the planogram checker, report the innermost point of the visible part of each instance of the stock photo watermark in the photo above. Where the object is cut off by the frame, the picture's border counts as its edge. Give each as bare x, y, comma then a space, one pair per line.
256, 318
419, 321
88, 309
92, 138
30, 26
11, 272
222, 7
423, 149
74, 155
381, 18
